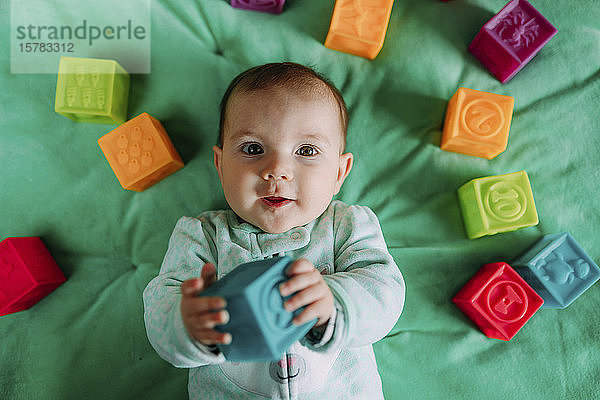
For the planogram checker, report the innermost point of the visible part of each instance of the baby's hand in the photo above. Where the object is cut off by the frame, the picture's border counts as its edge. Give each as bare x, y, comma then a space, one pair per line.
312, 290
198, 313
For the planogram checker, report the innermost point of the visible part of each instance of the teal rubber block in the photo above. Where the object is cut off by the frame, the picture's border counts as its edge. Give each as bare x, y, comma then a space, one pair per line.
558, 269
261, 329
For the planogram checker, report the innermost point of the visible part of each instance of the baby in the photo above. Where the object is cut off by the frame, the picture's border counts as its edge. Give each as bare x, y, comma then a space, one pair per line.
280, 159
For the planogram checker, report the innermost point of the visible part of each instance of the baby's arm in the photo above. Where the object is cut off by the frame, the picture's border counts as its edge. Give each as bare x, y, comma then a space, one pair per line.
190, 248
367, 285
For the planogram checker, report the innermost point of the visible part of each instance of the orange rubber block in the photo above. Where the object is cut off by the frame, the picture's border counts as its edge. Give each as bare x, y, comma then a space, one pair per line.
140, 153
477, 123
358, 26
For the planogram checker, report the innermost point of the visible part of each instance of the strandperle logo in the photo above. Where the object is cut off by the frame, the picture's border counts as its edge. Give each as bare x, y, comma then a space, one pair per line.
41, 32
84, 31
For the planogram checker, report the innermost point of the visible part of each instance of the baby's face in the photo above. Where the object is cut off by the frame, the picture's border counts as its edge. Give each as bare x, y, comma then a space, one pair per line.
281, 161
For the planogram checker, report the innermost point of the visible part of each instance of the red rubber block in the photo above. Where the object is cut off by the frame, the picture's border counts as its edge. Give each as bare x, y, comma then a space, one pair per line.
498, 300
28, 273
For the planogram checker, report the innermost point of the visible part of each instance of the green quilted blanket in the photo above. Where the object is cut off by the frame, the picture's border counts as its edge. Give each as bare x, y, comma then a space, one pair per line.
87, 339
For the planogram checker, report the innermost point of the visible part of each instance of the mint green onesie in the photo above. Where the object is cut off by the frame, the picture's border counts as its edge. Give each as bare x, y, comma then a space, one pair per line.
345, 244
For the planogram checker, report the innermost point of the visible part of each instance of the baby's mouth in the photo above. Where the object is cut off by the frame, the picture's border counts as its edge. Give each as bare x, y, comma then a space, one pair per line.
275, 201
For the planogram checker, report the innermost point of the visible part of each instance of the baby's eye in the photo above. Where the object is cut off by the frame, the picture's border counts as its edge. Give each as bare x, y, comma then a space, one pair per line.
252, 149
307, 151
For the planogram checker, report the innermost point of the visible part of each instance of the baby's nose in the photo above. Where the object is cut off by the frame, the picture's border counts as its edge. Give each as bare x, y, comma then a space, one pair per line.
276, 175
277, 169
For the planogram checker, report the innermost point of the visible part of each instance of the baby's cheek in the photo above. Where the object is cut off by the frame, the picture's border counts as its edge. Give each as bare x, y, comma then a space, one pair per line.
323, 186
238, 188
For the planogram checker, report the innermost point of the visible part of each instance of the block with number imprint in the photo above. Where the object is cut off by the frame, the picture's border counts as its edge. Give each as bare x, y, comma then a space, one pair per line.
477, 123
495, 204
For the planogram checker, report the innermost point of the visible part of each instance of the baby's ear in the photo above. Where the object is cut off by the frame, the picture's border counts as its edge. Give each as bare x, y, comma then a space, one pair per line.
218, 157
346, 162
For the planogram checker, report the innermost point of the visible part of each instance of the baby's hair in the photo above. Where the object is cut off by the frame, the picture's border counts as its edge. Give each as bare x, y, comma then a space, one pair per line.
286, 75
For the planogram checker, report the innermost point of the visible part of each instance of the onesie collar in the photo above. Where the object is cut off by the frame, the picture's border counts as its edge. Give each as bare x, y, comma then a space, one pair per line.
237, 224
271, 243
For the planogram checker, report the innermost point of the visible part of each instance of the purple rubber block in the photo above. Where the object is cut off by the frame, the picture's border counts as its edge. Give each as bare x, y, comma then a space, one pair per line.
508, 41
270, 6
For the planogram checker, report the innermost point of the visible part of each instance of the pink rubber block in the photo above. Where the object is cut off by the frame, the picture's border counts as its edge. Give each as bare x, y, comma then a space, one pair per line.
498, 300
508, 41
28, 273
270, 6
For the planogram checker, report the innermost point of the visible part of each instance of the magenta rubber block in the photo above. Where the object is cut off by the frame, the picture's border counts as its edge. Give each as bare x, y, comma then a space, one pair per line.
508, 41
261, 329
270, 6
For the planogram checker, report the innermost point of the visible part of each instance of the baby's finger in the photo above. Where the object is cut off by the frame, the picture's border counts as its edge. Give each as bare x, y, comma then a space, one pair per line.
192, 286
209, 274
299, 282
299, 266
209, 320
304, 297
192, 306
210, 336
316, 310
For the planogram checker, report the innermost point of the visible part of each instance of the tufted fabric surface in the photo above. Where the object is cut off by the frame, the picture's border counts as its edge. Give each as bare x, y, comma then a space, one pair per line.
87, 340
